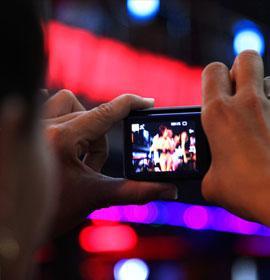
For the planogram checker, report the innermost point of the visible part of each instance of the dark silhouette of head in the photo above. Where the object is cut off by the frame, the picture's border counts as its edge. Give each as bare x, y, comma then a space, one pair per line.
22, 57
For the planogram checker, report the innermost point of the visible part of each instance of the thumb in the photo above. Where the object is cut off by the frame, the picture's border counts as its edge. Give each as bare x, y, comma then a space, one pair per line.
118, 191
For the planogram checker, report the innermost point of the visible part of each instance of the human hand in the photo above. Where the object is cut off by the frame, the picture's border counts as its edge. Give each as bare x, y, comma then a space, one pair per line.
236, 119
75, 133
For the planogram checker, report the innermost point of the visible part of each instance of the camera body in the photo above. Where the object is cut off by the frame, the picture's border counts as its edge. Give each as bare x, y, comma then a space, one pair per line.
167, 145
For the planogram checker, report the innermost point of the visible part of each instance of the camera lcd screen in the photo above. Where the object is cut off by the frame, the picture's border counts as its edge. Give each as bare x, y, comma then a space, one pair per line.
160, 146
165, 144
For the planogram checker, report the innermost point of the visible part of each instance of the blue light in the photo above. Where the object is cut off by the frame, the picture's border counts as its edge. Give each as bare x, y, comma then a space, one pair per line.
248, 37
131, 269
143, 10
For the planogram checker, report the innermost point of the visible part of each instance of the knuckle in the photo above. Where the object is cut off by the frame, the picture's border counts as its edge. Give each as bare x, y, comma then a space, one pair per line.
217, 104
53, 132
70, 96
67, 96
66, 93
128, 98
104, 110
56, 135
216, 107
252, 101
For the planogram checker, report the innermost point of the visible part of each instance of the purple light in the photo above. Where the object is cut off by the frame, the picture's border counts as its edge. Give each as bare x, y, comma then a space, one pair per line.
243, 226
225, 221
174, 213
136, 213
220, 219
145, 214
152, 212
109, 214
196, 217
181, 214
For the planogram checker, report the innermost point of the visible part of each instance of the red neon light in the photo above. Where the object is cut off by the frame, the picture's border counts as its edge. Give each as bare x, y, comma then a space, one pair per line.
97, 239
101, 69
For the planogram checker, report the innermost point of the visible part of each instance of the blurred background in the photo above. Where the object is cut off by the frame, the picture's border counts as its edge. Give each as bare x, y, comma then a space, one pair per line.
155, 48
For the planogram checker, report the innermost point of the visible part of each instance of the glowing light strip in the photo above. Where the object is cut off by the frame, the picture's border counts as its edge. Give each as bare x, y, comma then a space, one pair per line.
183, 215
102, 69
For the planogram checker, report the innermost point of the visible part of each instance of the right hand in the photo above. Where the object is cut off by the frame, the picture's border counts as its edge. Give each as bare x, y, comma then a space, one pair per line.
236, 119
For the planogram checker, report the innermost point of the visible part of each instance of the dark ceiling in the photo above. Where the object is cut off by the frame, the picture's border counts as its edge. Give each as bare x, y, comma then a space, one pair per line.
258, 10
194, 31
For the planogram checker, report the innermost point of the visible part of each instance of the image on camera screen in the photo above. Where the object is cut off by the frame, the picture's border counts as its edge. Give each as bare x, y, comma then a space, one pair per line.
164, 147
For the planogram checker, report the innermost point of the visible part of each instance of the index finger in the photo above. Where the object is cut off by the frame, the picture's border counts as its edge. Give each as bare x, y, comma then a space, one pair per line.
62, 103
216, 82
248, 73
95, 123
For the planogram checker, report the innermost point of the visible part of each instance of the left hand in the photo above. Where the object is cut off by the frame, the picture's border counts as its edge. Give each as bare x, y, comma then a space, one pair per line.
74, 133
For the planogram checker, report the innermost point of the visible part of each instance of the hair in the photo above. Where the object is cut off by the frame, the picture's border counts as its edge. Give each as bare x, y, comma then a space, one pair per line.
22, 57
161, 129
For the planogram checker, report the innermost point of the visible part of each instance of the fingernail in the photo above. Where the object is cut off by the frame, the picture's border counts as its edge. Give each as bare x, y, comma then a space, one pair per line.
151, 101
171, 194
